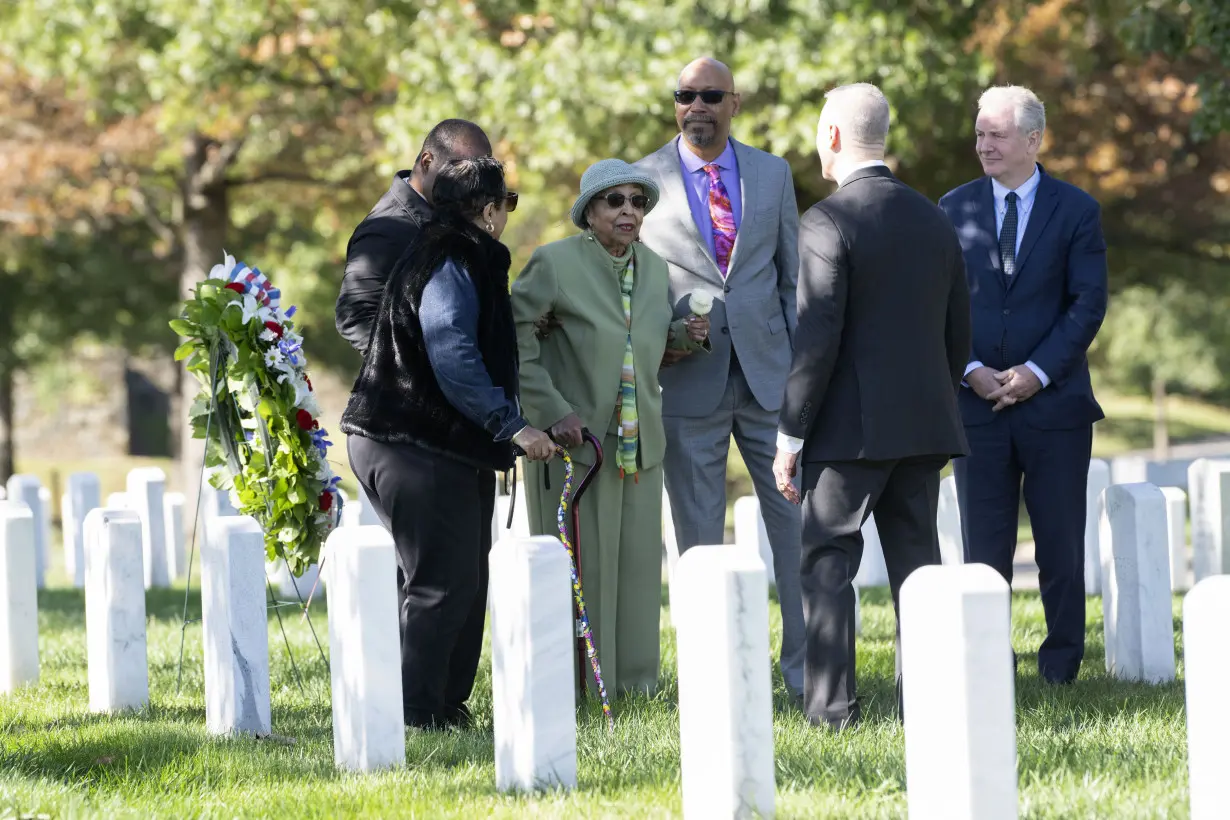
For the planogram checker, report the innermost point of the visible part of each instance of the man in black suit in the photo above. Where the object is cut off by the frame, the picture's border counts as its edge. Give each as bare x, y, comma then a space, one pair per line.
870, 403
392, 225
1036, 263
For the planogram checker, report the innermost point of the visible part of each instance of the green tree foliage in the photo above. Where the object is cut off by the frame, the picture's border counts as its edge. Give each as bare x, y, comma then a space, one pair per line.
1198, 30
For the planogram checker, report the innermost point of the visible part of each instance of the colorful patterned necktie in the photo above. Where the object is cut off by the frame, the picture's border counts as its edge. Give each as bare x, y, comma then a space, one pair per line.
629, 422
1007, 236
723, 218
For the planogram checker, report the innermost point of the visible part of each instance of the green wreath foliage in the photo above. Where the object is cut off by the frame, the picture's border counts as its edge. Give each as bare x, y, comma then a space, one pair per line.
257, 411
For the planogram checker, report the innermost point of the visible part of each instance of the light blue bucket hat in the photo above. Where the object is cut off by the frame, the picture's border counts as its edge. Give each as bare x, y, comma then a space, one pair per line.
606, 174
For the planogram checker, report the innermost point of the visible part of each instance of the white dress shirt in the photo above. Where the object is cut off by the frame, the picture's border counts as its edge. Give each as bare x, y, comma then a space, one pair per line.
790, 444
1026, 193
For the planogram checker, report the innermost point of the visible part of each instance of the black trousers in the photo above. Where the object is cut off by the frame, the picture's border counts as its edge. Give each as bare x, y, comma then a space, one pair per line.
439, 511
837, 499
1052, 466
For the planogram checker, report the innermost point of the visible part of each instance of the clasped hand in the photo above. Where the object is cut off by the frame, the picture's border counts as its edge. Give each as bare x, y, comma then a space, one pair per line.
1005, 387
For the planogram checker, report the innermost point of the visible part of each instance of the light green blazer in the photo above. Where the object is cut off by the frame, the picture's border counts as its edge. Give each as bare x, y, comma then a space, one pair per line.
576, 368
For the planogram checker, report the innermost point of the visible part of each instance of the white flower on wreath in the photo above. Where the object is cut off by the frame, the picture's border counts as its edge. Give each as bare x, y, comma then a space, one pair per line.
251, 308
267, 336
273, 357
223, 271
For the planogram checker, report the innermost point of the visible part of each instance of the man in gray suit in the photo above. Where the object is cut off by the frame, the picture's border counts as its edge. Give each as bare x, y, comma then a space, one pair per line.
727, 224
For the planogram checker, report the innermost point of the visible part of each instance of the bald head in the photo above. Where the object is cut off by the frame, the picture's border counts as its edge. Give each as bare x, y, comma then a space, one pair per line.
705, 103
860, 112
708, 70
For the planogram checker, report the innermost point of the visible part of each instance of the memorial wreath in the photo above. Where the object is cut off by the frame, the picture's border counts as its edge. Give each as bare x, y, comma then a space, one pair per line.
257, 411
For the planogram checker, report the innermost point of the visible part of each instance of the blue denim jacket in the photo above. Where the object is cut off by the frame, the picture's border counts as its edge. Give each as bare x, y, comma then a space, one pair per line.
448, 314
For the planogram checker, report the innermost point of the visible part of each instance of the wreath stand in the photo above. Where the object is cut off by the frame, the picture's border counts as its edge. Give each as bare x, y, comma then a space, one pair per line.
230, 446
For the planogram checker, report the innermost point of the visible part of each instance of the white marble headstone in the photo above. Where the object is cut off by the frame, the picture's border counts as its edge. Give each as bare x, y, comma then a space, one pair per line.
670, 546
948, 523
26, 489
1208, 487
234, 627
725, 708
365, 659
960, 760
118, 501
1136, 605
521, 515
18, 596
1176, 532
173, 519
84, 495
146, 488
751, 533
291, 589
532, 677
872, 571
44, 497
115, 611
1206, 662
1099, 480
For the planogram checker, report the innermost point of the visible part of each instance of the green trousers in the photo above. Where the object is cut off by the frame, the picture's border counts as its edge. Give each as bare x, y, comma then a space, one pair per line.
621, 560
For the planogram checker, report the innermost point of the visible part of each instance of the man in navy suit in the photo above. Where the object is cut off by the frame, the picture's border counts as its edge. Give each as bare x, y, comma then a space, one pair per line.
1036, 263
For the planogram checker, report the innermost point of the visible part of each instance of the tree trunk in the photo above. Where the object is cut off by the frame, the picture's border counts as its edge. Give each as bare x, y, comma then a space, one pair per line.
1161, 432
8, 454
205, 219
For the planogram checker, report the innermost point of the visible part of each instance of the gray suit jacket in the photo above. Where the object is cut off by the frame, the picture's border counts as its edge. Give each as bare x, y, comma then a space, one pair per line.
754, 308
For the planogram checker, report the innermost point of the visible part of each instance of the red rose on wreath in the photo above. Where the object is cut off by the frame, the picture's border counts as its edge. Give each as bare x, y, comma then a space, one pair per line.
305, 421
326, 501
238, 288
274, 328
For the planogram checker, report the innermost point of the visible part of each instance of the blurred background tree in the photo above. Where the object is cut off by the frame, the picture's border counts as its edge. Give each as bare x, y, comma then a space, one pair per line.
269, 127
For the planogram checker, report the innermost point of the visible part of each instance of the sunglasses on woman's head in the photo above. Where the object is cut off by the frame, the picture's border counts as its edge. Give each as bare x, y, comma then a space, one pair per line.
708, 97
616, 200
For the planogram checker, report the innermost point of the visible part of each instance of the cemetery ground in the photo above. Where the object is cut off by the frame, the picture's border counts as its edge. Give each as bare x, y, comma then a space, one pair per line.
1098, 748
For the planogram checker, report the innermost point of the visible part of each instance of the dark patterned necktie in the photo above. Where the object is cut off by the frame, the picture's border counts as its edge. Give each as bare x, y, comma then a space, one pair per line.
1007, 237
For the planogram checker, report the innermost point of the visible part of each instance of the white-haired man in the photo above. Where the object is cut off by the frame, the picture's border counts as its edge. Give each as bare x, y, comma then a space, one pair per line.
870, 406
1036, 263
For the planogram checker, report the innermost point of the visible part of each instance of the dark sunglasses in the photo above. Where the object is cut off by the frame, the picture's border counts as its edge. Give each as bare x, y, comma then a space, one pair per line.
510, 201
616, 200
708, 97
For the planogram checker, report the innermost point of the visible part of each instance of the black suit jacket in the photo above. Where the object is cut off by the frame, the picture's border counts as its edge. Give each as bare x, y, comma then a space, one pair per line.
1051, 308
373, 250
884, 326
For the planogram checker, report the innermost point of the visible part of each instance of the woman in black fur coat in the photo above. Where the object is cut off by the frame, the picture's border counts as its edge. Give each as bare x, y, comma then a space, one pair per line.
432, 417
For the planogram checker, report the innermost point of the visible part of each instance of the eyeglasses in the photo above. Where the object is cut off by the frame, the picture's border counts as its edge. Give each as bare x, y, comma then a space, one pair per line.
616, 200
510, 201
708, 97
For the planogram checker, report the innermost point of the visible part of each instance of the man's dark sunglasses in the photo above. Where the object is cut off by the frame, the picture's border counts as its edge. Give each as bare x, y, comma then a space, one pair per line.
616, 200
708, 97
510, 201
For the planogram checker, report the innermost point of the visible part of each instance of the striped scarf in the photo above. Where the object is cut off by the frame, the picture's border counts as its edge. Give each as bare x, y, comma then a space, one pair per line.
629, 425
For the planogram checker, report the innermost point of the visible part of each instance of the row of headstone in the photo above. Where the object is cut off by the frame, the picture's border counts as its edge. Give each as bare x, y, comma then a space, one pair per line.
160, 513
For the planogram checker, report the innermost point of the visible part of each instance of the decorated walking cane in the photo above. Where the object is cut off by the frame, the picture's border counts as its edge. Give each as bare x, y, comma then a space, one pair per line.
585, 637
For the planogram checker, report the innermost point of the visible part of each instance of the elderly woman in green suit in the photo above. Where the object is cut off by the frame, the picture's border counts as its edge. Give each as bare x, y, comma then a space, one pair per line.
593, 320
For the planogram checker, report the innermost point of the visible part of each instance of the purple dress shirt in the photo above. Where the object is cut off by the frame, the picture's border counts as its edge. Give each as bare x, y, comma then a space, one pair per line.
696, 182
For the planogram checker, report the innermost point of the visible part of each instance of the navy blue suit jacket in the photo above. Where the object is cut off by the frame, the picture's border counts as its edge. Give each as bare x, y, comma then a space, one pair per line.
1049, 310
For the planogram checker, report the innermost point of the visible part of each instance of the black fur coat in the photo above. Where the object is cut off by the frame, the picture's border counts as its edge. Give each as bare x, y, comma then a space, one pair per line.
397, 399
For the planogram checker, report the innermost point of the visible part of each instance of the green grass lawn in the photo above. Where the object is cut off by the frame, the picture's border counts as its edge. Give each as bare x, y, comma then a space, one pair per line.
1095, 749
